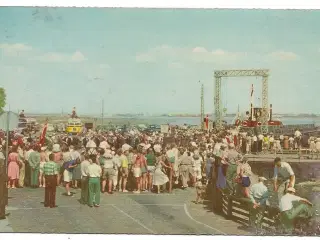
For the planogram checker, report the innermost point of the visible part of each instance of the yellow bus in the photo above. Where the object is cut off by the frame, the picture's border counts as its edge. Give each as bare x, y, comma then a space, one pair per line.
74, 126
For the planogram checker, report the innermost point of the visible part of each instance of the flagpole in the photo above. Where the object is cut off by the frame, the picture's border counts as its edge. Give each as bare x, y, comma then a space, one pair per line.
251, 102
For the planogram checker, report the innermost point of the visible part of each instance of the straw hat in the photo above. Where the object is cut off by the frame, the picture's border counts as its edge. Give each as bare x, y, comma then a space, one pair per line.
291, 189
262, 179
43, 148
231, 145
108, 155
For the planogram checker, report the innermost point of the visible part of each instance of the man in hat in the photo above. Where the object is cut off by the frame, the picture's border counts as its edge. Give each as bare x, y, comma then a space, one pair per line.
84, 180
108, 172
258, 196
94, 172
34, 163
185, 167
289, 210
50, 171
231, 174
284, 174
297, 138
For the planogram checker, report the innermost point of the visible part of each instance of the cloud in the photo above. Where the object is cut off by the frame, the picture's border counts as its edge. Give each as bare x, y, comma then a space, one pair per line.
178, 54
144, 58
104, 66
199, 50
284, 56
175, 65
14, 49
61, 57
78, 57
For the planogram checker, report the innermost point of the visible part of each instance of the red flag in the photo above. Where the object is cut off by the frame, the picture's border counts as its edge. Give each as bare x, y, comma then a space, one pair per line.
43, 135
251, 90
207, 122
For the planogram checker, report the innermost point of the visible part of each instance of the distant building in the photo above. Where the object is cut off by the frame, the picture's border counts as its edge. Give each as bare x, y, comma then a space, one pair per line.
13, 121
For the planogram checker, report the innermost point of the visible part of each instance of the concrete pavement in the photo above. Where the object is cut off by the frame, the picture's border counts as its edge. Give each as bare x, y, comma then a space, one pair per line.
120, 213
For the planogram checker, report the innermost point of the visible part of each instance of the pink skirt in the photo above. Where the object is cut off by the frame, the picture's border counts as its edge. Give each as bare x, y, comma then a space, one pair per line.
13, 171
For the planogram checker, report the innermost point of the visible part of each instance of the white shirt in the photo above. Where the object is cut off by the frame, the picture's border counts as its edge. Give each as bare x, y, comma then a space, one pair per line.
157, 148
254, 138
216, 148
94, 170
109, 163
28, 154
297, 133
285, 171
66, 156
2, 157
260, 137
116, 160
258, 191
291, 139
197, 162
286, 201
271, 139
75, 155
84, 165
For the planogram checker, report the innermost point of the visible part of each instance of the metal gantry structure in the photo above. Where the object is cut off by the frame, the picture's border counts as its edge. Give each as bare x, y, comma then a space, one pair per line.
264, 73
202, 107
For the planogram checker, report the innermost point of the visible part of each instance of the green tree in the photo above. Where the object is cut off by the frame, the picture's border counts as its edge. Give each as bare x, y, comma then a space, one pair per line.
2, 99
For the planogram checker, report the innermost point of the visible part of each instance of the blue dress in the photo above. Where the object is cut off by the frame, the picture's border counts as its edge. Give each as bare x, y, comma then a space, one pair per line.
221, 181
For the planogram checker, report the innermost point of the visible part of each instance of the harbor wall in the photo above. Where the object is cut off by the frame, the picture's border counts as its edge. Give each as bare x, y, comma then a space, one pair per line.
304, 170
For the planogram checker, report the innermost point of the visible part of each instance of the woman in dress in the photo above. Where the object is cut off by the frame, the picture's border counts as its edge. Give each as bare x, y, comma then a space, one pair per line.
159, 177
137, 173
13, 167
144, 171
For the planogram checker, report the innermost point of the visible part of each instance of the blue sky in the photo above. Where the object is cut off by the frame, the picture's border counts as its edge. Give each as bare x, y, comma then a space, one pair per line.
151, 61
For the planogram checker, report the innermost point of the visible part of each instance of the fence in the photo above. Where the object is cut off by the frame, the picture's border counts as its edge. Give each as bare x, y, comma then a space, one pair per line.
282, 130
238, 209
235, 208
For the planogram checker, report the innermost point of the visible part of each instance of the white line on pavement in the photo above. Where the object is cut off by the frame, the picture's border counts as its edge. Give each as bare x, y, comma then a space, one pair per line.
117, 194
137, 221
107, 204
5, 226
189, 215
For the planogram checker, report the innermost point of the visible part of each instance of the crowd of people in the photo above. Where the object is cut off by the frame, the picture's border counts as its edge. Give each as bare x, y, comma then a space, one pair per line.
108, 162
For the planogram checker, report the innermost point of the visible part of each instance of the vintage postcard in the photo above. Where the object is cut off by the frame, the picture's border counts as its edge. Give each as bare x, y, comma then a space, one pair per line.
159, 121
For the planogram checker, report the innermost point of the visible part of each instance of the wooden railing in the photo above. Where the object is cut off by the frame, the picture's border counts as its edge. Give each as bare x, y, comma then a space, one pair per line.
238, 209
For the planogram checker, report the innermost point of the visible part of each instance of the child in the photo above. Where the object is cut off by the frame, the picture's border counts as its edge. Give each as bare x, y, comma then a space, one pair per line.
200, 190
43, 159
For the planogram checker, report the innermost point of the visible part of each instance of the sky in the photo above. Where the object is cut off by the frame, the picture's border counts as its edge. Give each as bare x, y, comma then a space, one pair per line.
154, 61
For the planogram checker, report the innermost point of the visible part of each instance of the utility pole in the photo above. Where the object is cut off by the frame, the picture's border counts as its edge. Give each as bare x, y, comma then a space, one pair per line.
202, 107
102, 112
